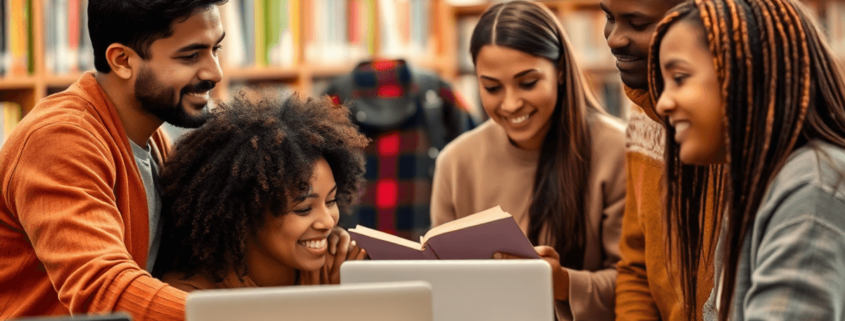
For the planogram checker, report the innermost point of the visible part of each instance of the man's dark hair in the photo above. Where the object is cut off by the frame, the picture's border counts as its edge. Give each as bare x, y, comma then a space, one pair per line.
135, 23
252, 156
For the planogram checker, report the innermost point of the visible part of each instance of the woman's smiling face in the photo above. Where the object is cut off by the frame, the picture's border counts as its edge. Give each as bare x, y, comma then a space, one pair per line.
692, 97
297, 239
518, 91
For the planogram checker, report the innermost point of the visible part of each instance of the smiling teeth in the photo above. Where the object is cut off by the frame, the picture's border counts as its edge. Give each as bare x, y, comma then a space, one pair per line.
200, 95
314, 244
520, 119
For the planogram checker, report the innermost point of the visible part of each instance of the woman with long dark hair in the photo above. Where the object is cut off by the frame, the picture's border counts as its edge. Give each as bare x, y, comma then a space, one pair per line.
754, 104
549, 155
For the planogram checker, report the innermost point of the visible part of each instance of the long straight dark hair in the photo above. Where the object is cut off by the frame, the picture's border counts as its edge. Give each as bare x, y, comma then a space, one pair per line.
782, 88
558, 206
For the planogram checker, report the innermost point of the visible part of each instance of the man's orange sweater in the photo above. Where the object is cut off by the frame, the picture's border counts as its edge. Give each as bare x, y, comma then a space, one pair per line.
73, 214
646, 288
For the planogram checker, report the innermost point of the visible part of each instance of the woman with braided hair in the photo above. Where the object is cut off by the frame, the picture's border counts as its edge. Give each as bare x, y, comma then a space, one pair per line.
252, 197
754, 103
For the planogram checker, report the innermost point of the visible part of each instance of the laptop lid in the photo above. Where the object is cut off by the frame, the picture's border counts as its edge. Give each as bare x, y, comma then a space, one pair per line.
357, 302
469, 289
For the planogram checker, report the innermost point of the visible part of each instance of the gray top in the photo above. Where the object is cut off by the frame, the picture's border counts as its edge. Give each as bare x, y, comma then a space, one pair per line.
792, 264
149, 174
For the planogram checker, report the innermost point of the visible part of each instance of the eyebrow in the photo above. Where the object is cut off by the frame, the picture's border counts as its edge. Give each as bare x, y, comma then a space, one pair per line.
200, 46
627, 15
634, 15
672, 64
519, 74
313, 195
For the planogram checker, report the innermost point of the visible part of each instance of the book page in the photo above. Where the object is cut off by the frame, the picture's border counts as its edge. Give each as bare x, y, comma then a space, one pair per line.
489, 215
363, 230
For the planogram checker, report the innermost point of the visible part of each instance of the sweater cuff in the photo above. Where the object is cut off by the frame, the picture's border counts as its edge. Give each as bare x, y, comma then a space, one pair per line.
146, 298
584, 303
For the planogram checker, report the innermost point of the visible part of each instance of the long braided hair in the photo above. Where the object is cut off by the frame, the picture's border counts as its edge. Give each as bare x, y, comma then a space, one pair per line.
782, 88
558, 205
253, 155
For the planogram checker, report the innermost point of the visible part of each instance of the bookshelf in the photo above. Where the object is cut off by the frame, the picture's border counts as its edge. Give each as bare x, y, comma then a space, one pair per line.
583, 20
26, 89
375, 34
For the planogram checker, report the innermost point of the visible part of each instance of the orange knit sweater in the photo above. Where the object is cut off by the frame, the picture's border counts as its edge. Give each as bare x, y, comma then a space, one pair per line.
645, 287
73, 214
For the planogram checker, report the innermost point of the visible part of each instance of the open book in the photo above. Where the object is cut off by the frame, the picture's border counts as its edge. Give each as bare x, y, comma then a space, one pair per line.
477, 236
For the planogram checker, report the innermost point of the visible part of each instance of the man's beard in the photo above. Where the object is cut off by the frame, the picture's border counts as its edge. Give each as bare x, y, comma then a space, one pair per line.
157, 100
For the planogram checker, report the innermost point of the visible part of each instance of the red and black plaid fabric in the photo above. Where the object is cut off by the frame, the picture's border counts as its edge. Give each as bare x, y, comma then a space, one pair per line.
400, 161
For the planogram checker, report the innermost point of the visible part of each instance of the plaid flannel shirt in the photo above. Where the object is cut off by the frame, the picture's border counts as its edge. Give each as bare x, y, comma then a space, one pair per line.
400, 160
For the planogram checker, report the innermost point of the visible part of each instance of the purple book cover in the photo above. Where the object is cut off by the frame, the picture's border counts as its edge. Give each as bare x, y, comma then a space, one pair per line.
482, 241
383, 250
468, 243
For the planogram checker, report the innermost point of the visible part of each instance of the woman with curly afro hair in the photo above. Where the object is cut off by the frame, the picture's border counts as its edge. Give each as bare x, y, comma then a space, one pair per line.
252, 197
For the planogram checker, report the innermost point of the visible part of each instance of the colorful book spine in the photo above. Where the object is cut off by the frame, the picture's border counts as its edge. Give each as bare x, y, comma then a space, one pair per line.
10, 116
295, 12
19, 37
86, 49
247, 16
30, 39
73, 15
4, 38
260, 37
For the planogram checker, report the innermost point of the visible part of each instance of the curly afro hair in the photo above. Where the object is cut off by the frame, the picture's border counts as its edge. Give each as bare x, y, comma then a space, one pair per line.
252, 155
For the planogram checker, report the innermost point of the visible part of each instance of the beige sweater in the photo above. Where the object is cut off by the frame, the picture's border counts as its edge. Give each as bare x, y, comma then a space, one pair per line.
482, 169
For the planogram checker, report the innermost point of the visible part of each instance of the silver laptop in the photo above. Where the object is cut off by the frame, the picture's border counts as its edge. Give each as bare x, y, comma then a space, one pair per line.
469, 289
358, 302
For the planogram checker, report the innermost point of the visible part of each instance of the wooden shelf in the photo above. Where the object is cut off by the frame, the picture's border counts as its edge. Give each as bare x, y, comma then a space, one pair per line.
262, 73
473, 10
22, 82
323, 71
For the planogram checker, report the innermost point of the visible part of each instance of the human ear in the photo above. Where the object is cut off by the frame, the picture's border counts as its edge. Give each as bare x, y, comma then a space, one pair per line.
118, 56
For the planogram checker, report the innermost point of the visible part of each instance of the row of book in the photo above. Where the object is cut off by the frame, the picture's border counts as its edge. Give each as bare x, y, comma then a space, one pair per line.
262, 32
16, 38
348, 31
67, 46
276, 32
10, 116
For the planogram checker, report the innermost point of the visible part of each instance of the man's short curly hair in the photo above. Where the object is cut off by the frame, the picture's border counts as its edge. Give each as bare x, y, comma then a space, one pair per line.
251, 156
